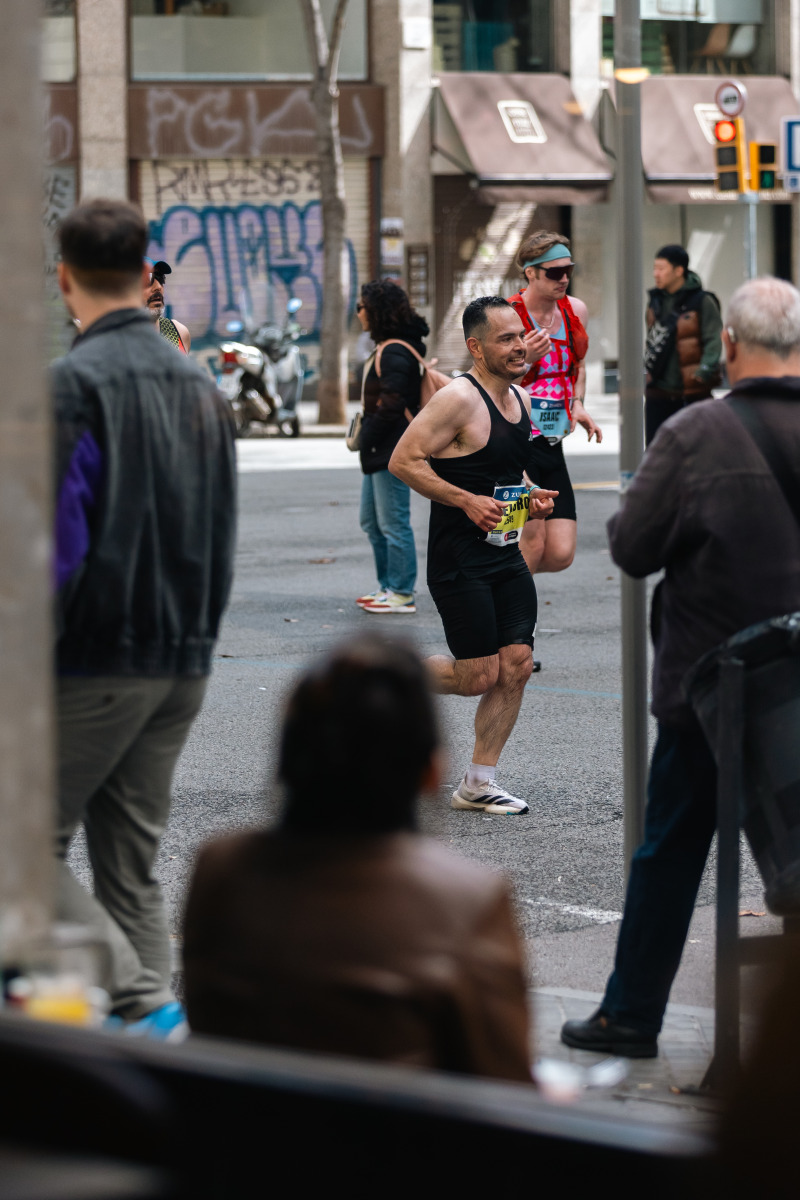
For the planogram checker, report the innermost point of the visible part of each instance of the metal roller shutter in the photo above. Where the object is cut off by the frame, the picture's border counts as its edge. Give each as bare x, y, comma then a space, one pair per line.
243, 235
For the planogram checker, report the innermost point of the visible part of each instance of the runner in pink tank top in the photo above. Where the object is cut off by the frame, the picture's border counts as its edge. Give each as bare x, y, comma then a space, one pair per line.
557, 343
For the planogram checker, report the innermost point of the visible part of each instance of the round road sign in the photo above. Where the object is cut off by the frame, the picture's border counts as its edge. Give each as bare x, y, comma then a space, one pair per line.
731, 97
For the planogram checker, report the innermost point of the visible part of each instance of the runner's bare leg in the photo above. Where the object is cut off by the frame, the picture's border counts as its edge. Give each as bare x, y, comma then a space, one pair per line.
500, 682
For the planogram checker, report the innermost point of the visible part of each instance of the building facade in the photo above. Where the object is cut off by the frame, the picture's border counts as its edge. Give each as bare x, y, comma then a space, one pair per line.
464, 125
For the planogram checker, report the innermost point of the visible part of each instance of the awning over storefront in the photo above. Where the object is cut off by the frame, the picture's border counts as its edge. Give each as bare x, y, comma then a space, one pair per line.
678, 115
520, 137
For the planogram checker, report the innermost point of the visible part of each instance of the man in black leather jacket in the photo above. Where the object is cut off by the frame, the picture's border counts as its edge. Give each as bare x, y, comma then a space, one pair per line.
145, 523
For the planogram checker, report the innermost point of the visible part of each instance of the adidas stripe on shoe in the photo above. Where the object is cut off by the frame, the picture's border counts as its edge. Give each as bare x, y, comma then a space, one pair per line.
487, 797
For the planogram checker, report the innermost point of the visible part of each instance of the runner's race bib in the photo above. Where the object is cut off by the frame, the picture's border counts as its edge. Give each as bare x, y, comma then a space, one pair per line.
509, 528
550, 418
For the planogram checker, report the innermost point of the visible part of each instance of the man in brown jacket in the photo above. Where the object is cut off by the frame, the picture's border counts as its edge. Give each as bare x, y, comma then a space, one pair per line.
344, 931
705, 506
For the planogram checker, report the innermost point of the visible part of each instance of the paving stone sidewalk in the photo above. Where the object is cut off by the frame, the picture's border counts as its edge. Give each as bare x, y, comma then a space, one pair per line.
662, 1089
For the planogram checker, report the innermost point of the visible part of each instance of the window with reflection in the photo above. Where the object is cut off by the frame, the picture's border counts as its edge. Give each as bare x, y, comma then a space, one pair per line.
235, 39
714, 37
58, 41
492, 35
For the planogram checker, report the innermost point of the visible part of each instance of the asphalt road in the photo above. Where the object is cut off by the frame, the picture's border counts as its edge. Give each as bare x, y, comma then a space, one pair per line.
302, 560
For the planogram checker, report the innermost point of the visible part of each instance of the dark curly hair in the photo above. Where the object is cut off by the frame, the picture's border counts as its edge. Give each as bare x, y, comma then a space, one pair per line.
389, 312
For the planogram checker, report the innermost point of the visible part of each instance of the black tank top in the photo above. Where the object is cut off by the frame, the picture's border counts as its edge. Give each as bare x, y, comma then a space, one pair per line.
455, 544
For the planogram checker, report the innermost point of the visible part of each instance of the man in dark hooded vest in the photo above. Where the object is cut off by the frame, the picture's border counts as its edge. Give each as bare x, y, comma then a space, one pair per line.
683, 347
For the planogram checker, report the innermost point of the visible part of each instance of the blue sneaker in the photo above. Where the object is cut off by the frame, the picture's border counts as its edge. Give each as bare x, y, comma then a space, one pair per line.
167, 1023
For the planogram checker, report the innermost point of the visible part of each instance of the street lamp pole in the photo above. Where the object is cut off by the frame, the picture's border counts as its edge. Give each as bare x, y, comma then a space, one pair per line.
628, 75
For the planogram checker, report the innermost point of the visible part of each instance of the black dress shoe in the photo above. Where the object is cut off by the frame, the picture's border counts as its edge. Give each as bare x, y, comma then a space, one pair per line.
537, 665
604, 1036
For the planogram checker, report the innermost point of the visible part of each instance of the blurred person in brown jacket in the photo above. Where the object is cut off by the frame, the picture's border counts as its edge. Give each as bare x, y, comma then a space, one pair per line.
345, 931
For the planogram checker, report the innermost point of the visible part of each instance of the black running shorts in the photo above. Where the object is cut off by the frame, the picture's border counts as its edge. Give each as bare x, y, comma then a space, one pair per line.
481, 615
547, 467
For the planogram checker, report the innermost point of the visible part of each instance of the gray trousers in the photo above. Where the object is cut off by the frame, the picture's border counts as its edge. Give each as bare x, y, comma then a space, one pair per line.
118, 742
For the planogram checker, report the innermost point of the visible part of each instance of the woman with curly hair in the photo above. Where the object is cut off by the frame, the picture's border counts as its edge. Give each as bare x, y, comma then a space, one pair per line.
391, 398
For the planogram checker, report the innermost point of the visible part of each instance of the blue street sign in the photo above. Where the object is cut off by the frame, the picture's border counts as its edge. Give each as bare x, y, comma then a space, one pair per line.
790, 144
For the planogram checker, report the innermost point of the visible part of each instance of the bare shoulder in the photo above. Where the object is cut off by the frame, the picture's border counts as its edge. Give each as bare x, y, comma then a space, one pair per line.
580, 310
458, 391
186, 337
453, 405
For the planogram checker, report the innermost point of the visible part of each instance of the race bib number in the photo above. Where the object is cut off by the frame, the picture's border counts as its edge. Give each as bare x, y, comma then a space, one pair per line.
550, 418
509, 528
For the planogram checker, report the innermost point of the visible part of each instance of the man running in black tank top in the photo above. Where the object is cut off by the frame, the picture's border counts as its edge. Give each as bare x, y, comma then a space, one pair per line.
466, 451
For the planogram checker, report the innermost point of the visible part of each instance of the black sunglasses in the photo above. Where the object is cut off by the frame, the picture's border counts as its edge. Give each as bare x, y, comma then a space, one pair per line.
155, 278
558, 273
359, 307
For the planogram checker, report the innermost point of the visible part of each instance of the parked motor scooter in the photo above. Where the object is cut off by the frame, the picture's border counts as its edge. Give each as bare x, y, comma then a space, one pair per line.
263, 380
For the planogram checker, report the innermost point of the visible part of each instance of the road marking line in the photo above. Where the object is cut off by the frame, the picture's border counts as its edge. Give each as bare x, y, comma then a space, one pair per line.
601, 916
612, 486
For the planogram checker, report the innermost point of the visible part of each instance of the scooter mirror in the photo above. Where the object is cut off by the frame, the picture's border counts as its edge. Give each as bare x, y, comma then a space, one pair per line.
234, 327
294, 305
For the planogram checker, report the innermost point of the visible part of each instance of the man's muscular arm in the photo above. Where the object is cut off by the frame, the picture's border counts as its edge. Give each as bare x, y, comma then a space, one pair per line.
436, 427
441, 423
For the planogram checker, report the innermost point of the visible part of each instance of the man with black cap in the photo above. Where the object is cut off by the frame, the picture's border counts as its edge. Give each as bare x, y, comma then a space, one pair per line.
173, 331
683, 347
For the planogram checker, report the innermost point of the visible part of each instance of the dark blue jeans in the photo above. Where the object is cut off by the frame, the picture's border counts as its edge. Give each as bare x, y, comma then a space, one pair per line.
665, 874
385, 517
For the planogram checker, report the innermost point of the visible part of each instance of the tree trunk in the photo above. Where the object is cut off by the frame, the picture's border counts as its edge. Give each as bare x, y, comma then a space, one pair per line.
332, 387
26, 638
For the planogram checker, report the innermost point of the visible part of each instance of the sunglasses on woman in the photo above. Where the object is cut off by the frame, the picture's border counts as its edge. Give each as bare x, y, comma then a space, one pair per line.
558, 273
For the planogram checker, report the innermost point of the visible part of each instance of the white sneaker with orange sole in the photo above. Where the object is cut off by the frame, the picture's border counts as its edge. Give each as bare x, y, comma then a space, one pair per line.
391, 602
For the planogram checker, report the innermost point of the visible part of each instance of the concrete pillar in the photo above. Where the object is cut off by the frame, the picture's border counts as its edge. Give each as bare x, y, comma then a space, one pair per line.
402, 47
26, 640
102, 34
585, 50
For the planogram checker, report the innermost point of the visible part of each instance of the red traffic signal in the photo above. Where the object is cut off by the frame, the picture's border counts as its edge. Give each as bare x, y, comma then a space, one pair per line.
729, 154
725, 130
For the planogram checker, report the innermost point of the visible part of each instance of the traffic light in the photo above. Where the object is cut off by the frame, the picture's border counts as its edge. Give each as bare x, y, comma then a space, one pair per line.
729, 154
763, 166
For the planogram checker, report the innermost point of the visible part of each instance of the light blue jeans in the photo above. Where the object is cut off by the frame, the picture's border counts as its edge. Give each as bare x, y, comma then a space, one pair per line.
385, 519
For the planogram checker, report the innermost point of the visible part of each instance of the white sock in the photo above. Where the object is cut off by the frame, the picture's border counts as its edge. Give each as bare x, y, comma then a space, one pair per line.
478, 773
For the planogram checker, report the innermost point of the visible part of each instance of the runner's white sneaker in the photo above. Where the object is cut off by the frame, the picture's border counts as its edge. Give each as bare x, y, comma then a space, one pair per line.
378, 594
488, 797
391, 602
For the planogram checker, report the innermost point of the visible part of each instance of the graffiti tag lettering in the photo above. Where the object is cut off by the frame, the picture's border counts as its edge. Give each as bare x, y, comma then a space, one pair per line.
243, 260
206, 182
217, 122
